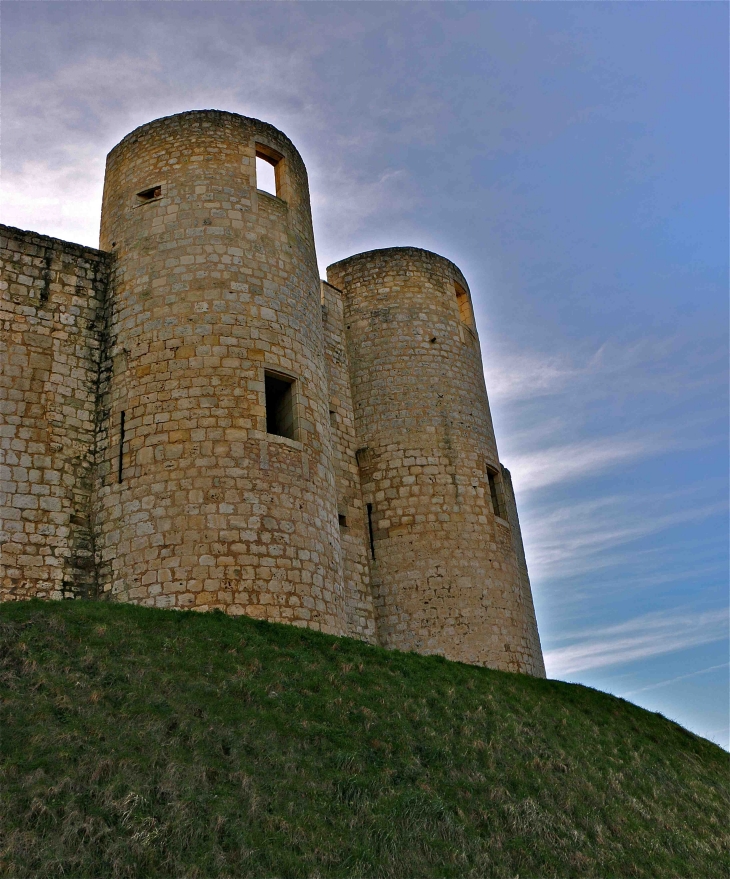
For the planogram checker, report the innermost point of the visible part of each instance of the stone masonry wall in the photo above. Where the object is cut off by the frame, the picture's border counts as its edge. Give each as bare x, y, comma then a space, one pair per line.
445, 576
216, 282
53, 296
141, 459
353, 524
523, 598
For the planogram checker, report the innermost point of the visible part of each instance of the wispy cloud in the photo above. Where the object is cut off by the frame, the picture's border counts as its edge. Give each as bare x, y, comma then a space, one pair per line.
54, 158
523, 375
344, 202
652, 634
543, 400
573, 538
669, 365
572, 461
669, 681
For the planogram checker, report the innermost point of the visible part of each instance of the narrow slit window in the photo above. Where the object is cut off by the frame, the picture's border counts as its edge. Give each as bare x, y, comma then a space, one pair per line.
120, 461
465, 312
150, 194
370, 530
280, 412
495, 491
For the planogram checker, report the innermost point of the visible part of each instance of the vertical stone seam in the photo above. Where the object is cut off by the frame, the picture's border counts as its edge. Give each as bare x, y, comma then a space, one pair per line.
101, 412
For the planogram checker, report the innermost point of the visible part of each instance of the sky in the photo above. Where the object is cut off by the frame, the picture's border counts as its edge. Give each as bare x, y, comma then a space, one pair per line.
572, 160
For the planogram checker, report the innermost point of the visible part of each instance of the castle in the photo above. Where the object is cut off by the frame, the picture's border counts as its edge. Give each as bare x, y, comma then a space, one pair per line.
190, 418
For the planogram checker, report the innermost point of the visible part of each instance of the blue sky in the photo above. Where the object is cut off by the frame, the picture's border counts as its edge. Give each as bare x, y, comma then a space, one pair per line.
572, 159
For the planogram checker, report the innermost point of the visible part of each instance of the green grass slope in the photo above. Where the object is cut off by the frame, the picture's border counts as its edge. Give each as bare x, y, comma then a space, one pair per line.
145, 743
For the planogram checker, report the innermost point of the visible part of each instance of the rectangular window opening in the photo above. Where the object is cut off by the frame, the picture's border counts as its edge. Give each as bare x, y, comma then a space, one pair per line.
465, 311
496, 493
150, 194
265, 176
269, 170
342, 519
280, 413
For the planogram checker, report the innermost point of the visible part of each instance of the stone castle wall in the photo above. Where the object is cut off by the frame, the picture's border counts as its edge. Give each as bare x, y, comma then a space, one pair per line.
51, 327
190, 418
350, 508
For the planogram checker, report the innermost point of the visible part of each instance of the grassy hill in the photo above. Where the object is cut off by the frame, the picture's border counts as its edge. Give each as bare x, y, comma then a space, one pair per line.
145, 743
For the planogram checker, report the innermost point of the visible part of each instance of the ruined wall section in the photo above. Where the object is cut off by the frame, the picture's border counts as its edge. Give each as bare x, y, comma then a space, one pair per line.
445, 575
53, 295
350, 508
216, 282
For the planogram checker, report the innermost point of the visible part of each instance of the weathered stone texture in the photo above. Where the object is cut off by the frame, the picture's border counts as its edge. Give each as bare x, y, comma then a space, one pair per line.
351, 512
52, 297
523, 598
142, 460
215, 282
445, 575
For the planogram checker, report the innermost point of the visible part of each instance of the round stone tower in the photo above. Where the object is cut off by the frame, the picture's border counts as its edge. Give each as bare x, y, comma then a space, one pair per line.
216, 483
447, 565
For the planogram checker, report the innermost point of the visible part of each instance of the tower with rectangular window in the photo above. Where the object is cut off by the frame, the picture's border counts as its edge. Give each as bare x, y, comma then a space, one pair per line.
218, 429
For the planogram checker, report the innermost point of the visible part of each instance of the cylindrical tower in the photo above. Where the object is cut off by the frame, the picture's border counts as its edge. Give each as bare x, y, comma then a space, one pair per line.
216, 479
448, 575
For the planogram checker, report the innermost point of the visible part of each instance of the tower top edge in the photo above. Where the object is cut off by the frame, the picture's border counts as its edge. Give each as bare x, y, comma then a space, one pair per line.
211, 116
393, 253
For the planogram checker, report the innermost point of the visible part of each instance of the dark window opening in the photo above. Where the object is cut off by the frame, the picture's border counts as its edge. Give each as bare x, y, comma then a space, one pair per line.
464, 303
269, 170
365, 458
342, 519
333, 417
280, 418
120, 463
370, 530
150, 194
495, 490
